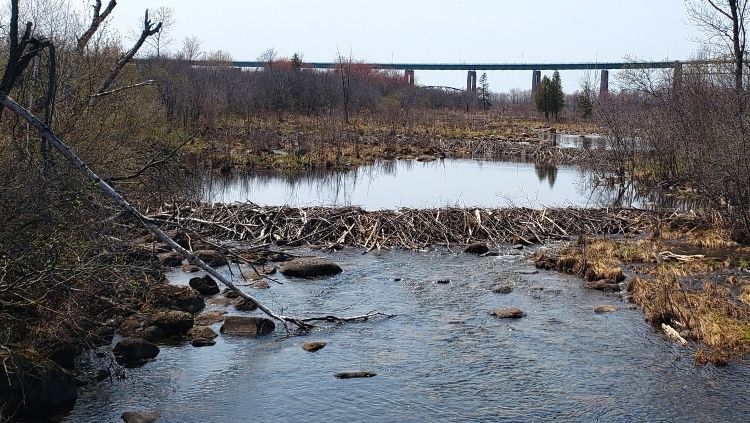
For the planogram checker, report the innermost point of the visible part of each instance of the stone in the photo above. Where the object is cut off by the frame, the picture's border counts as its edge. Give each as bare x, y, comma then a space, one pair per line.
260, 285
443, 281
175, 298
425, 158
477, 248
170, 259
209, 317
211, 257
201, 342
205, 285
605, 308
508, 313
352, 375
247, 326
603, 285
243, 304
201, 332
313, 346
140, 416
151, 334
502, 289
172, 322
135, 350
527, 272
131, 324
30, 383
220, 301
190, 268
308, 267
518, 247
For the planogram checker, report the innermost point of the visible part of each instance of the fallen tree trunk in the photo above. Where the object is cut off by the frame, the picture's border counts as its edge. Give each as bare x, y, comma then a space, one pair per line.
109, 191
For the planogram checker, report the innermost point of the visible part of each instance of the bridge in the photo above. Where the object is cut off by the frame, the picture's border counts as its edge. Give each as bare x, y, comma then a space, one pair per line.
472, 68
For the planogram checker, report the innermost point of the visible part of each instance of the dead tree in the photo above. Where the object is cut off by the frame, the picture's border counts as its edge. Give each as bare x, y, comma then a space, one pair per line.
96, 20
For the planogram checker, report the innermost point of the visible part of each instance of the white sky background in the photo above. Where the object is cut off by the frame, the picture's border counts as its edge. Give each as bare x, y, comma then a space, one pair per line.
432, 31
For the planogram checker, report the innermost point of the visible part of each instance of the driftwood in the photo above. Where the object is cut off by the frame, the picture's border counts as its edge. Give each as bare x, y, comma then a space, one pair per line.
54, 141
404, 228
673, 334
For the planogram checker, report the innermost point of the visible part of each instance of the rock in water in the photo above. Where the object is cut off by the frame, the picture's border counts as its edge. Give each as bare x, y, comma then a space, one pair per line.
201, 332
140, 416
502, 289
172, 322
175, 298
211, 257
210, 317
170, 259
603, 285
508, 313
352, 375
247, 326
313, 346
201, 342
477, 248
151, 334
243, 304
605, 308
308, 267
135, 350
205, 285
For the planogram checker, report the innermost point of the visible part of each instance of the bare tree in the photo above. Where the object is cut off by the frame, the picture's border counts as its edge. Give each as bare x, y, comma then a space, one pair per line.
161, 40
96, 20
191, 48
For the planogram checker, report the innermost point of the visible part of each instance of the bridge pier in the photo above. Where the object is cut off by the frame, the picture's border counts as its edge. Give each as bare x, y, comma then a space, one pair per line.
409, 76
536, 78
604, 83
677, 76
471, 81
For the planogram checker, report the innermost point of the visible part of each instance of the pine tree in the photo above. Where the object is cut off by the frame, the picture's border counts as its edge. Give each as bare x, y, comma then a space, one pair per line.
543, 97
484, 91
296, 62
585, 107
557, 96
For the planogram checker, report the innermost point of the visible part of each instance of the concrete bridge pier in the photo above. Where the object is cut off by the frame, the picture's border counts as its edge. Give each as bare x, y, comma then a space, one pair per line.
471, 81
677, 76
604, 83
536, 78
409, 76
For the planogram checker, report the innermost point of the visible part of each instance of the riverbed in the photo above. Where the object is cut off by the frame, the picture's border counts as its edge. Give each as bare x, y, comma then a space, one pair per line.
441, 358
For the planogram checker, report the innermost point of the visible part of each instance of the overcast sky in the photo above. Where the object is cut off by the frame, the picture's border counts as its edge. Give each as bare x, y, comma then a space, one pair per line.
450, 31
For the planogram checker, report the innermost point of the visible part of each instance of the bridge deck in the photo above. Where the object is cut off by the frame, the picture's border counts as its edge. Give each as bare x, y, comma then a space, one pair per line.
484, 66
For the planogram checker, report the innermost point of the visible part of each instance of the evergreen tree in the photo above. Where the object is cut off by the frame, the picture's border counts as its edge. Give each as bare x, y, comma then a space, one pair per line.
557, 96
484, 91
543, 98
585, 106
296, 62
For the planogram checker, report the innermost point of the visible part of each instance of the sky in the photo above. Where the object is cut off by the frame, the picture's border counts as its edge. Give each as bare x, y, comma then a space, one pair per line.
447, 31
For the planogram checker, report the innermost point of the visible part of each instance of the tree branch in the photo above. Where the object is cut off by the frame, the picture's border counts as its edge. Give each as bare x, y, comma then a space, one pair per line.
96, 20
127, 87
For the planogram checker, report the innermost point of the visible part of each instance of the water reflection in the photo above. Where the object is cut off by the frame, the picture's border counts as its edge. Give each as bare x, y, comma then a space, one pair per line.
546, 171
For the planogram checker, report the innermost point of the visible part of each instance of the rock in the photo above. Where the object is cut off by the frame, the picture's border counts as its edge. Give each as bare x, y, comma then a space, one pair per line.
502, 289
151, 334
527, 272
64, 355
209, 318
170, 259
30, 383
603, 285
172, 322
307, 267
425, 158
211, 257
205, 285
243, 304
247, 326
443, 281
492, 253
518, 247
260, 285
220, 301
605, 308
190, 268
135, 350
201, 342
352, 375
175, 298
201, 332
313, 346
131, 324
140, 416
508, 313
477, 248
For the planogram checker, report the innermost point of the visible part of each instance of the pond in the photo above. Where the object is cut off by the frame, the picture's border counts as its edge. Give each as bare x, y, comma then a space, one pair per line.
413, 184
441, 358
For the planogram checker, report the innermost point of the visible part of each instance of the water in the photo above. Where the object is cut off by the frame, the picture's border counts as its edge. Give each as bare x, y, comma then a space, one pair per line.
442, 358
582, 142
408, 183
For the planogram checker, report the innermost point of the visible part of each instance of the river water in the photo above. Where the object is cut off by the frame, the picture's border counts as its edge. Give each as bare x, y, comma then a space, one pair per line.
442, 358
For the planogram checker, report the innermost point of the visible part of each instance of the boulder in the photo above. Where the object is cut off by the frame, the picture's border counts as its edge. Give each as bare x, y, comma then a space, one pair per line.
151, 334
603, 285
247, 326
29, 383
477, 248
140, 416
201, 332
308, 267
243, 304
211, 257
201, 342
190, 268
170, 259
209, 317
175, 298
135, 351
131, 324
605, 308
502, 289
313, 346
205, 285
172, 322
508, 313
352, 375
260, 285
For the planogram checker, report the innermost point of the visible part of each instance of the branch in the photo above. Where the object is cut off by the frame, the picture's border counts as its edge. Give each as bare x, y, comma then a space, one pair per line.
151, 163
110, 192
719, 9
127, 87
96, 20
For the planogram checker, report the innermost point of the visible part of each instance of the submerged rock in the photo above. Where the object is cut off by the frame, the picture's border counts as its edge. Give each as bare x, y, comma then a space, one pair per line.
508, 313
260, 285
201, 332
313, 346
243, 304
170, 259
603, 285
135, 350
175, 298
151, 334
477, 248
190, 268
205, 285
352, 375
605, 308
211, 257
172, 322
308, 267
502, 289
247, 326
201, 342
209, 317
140, 416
